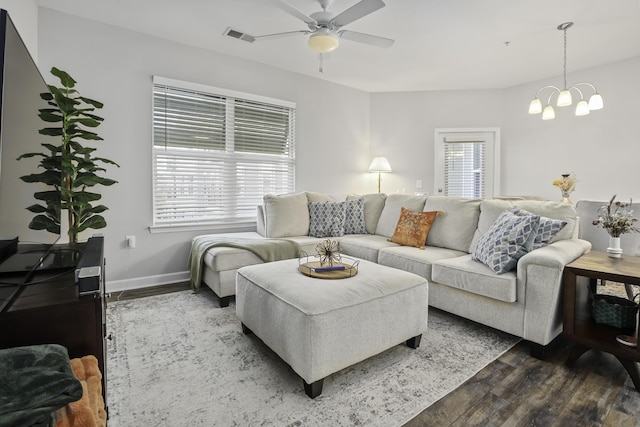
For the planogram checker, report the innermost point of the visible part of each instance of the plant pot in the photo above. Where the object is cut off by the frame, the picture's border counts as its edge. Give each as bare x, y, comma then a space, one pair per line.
614, 250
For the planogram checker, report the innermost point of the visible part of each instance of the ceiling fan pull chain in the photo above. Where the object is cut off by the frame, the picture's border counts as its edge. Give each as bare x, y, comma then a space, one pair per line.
321, 62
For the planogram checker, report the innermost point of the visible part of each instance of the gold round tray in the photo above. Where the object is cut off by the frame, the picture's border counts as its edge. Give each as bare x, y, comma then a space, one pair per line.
309, 269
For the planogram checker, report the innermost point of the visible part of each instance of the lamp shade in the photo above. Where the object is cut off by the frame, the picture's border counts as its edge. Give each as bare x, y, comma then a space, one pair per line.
380, 164
548, 113
323, 41
564, 99
595, 102
582, 109
535, 107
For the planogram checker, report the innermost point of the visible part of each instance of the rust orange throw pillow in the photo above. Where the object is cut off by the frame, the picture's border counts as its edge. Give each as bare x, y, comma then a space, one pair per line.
413, 227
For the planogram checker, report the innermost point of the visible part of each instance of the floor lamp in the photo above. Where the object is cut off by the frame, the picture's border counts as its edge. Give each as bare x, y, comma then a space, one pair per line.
380, 165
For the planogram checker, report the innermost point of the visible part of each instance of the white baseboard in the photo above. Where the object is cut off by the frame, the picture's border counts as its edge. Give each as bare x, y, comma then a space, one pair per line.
146, 282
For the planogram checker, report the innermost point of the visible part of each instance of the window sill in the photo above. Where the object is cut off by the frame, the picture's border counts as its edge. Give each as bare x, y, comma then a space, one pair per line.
209, 227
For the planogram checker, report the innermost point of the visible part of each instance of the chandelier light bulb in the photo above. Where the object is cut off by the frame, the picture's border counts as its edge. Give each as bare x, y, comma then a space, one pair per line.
564, 99
535, 107
595, 102
548, 113
582, 108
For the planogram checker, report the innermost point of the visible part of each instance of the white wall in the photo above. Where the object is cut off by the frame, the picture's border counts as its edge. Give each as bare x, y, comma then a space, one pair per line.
115, 66
24, 14
603, 148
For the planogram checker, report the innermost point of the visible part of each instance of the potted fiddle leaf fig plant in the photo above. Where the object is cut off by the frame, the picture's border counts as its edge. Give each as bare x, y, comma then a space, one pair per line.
69, 166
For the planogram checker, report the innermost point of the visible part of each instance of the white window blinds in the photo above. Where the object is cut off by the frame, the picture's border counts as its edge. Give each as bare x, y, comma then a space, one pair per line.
464, 168
216, 153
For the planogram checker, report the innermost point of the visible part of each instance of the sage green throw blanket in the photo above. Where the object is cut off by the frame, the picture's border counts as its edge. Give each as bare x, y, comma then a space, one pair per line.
35, 381
267, 249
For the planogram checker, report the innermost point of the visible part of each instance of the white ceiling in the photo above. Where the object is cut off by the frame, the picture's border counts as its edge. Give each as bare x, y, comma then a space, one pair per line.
440, 44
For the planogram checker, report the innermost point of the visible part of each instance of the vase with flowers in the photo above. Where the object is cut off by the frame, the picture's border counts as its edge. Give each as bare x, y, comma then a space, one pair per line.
617, 219
566, 184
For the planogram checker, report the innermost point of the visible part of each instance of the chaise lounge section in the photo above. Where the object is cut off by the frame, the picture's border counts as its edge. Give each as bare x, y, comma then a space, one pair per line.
523, 300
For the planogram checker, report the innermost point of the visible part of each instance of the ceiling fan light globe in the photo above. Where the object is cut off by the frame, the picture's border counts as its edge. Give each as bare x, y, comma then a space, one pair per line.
595, 102
564, 99
323, 41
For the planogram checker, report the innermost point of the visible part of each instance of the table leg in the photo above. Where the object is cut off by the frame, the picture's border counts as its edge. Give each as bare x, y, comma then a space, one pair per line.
633, 370
577, 351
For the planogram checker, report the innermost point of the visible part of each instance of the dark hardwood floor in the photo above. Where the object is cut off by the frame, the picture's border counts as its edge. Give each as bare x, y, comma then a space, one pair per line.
519, 390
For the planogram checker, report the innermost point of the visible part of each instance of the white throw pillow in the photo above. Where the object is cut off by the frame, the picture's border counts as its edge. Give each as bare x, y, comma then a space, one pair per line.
286, 215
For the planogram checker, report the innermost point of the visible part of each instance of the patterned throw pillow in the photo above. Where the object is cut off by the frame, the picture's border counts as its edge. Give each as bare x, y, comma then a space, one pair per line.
354, 217
326, 219
547, 228
413, 227
507, 240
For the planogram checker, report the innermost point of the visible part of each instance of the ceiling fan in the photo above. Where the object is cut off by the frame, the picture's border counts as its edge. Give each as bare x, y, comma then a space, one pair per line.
325, 28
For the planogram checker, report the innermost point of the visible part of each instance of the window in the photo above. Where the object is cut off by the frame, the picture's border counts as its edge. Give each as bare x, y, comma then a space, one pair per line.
466, 162
216, 153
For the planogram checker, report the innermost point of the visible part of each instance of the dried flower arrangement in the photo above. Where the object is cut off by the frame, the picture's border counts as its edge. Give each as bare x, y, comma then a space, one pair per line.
616, 218
566, 184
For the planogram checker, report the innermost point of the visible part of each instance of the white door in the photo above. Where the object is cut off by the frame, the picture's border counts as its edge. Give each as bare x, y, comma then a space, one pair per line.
467, 162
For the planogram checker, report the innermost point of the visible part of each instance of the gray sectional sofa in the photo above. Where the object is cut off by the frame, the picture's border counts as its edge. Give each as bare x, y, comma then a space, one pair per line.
525, 302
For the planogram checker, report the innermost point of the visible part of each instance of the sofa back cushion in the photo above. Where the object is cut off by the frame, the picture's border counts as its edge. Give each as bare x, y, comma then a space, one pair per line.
286, 215
391, 211
373, 205
490, 209
455, 226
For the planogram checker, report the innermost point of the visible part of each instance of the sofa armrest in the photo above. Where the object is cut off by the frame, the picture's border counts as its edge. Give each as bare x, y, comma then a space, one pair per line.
260, 228
540, 273
557, 254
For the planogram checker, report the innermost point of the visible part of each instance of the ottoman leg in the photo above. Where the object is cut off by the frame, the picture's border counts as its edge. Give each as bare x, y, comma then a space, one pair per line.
224, 301
246, 330
314, 389
415, 341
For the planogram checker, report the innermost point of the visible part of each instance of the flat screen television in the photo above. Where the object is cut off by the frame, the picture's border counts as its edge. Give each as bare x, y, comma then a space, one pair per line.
21, 86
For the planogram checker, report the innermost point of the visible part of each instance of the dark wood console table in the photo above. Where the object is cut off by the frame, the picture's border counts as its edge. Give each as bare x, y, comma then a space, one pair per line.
579, 327
50, 311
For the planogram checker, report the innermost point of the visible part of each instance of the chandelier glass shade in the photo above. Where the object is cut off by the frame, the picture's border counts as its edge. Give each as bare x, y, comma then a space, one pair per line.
564, 96
323, 41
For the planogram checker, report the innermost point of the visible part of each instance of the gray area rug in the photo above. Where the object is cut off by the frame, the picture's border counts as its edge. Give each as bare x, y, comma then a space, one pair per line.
180, 360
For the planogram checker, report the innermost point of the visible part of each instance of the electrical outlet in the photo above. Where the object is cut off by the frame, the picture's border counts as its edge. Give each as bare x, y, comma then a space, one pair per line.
130, 241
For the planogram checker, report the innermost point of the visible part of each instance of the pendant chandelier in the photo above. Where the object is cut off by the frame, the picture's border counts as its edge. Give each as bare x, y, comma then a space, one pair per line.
564, 97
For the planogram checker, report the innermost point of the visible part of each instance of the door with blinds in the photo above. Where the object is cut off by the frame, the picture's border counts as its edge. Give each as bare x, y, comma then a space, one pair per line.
467, 162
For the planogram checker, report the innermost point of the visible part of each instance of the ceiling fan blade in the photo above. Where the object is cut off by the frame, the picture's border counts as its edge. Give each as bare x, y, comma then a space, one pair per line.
294, 12
357, 11
366, 38
278, 35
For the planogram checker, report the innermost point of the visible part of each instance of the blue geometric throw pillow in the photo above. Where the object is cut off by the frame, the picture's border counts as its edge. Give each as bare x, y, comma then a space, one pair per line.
507, 240
326, 219
547, 228
354, 217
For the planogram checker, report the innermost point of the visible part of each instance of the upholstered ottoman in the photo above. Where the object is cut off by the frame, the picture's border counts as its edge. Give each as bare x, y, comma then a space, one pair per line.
322, 326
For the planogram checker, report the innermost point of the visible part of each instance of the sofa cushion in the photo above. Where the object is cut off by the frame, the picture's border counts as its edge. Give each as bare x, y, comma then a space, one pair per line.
507, 240
413, 227
354, 222
414, 260
391, 211
373, 205
365, 247
547, 229
457, 223
326, 219
313, 197
469, 275
286, 215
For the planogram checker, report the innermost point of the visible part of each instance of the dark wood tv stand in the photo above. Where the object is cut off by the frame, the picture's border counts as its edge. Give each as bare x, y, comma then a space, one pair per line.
52, 312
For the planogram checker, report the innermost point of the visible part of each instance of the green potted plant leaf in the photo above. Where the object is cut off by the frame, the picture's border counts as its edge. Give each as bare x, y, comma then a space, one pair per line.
69, 167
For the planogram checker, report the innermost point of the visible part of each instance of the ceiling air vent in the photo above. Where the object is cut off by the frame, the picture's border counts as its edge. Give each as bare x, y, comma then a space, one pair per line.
239, 35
